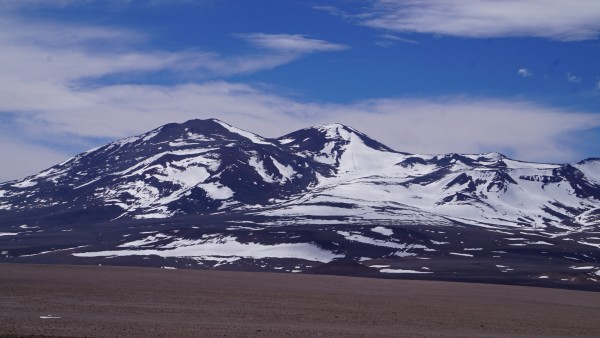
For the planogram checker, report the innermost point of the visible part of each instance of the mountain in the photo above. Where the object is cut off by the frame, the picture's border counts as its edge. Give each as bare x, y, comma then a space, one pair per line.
205, 194
194, 167
341, 148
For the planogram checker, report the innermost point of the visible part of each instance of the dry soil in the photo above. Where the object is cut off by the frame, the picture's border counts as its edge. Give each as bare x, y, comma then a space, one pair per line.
96, 301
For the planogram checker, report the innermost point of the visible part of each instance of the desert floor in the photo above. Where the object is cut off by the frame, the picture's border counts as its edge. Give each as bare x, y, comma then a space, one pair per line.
122, 301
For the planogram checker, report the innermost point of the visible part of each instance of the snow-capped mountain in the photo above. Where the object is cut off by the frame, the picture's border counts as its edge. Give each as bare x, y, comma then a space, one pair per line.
194, 167
487, 190
209, 191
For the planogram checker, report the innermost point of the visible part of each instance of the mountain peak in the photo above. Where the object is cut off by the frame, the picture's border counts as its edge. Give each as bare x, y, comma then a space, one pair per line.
211, 126
494, 156
336, 131
590, 160
339, 147
193, 123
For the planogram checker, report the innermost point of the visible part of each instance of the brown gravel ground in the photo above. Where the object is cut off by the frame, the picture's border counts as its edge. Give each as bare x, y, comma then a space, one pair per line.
94, 301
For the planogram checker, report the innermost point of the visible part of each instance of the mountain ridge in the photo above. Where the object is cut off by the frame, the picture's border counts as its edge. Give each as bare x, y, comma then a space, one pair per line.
207, 194
220, 166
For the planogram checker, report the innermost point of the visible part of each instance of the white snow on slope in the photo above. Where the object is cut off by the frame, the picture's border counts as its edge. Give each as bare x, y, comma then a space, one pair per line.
216, 191
356, 156
143, 165
461, 254
145, 241
357, 237
382, 230
402, 271
287, 172
187, 177
25, 184
286, 141
225, 247
374, 188
589, 217
512, 164
185, 173
260, 169
251, 136
591, 169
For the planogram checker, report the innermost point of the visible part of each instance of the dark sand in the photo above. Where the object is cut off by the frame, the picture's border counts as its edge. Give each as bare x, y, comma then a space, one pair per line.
119, 301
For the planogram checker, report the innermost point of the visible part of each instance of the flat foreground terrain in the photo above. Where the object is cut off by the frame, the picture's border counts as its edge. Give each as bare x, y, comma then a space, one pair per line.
54, 300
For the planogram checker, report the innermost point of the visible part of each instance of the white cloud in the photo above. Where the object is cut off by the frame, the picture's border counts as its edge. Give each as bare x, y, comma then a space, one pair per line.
552, 19
43, 51
522, 129
573, 78
24, 158
524, 72
291, 43
332, 10
51, 35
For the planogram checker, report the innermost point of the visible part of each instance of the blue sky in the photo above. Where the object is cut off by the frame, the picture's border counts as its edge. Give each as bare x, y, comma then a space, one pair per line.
433, 76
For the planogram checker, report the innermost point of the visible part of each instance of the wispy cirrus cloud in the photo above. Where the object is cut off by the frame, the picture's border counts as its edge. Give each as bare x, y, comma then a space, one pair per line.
291, 43
551, 19
388, 40
63, 52
46, 34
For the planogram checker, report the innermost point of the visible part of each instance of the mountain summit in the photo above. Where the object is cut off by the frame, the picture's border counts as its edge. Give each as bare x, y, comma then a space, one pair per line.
342, 148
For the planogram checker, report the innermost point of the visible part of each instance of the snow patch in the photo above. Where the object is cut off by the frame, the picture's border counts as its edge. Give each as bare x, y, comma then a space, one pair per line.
582, 267
287, 172
377, 242
252, 137
382, 230
25, 226
461, 254
49, 317
8, 234
145, 241
402, 271
227, 246
439, 243
25, 184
